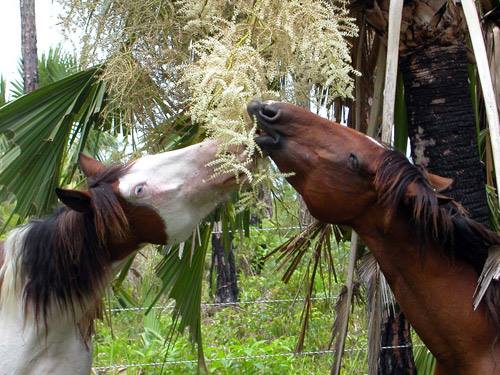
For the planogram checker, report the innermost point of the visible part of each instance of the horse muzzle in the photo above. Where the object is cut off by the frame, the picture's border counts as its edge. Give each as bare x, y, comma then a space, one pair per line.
268, 115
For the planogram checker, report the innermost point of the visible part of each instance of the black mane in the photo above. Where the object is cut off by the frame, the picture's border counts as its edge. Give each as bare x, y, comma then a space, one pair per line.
446, 223
64, 258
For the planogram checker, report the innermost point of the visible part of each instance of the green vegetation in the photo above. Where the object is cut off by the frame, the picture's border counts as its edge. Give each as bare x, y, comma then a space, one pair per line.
244, 330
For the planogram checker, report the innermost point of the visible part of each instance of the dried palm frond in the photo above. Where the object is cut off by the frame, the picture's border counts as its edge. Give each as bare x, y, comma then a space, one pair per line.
339, 331
490, 273
342, 308
317, 236
380, 299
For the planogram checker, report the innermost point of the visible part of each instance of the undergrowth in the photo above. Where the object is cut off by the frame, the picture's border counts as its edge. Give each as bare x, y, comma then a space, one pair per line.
245, 330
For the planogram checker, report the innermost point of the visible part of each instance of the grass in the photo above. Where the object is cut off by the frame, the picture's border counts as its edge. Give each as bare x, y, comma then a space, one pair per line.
256, 329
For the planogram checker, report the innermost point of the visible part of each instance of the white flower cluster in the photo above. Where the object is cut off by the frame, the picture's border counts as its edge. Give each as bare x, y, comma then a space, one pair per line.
209, 58
245, 50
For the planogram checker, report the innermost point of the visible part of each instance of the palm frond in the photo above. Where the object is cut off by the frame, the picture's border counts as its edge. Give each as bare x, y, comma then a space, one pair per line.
400, 118
340, 325
316, 240
483, 68
41, 127
378, 88
424, 361
379, 300
55, 65
490, 272
492, 197
293, 250
322, 246
52, 67
341, 315
180, 271
391, 69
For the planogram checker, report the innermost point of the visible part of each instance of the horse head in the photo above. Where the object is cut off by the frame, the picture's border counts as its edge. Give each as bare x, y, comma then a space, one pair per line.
156, 199
333, 166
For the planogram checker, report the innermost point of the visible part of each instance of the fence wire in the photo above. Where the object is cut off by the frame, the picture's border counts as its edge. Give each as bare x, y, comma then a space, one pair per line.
240, 358
220, 304
235, 358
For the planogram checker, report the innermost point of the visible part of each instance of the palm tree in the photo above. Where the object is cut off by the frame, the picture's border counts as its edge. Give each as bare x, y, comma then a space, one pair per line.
443, 133
224, 264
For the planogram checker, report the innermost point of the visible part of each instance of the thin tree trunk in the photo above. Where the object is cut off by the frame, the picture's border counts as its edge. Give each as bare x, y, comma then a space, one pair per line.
441, 122
28, 45
223, 262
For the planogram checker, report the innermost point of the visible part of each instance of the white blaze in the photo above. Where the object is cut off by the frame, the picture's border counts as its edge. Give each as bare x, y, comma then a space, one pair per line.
178, 185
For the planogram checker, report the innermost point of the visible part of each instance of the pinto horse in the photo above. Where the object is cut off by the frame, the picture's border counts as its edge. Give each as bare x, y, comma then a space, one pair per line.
430, 252
53, 271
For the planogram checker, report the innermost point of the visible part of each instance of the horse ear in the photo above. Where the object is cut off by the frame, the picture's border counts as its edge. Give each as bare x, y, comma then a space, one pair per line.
89, 166
413, 188
75, 199
439, 183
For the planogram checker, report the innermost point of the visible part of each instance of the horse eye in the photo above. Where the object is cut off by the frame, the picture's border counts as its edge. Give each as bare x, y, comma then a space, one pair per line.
353, 162
139, 190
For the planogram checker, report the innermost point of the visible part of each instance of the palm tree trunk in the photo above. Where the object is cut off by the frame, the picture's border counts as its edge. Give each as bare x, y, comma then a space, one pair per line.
441, 121
28, 45
441, 126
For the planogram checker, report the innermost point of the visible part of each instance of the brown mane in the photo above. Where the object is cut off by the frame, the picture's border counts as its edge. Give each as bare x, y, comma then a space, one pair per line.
445, 223
65, 258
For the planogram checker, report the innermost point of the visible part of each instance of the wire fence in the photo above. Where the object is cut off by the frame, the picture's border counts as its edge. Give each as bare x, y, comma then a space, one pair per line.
221, 304
240, 358
263, 356
265, 229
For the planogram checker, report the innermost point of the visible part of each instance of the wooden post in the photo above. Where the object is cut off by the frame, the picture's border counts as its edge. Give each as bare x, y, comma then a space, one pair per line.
391, 69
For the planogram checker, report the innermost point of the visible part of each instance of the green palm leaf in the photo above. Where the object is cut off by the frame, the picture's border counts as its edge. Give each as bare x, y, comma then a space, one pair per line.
41, 127
181, 274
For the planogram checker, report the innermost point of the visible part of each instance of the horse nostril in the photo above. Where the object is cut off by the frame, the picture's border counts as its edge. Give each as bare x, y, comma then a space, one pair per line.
253, 107
271, 112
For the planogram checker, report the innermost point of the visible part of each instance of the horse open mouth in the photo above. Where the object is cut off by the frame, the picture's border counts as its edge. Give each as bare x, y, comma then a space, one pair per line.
268, 136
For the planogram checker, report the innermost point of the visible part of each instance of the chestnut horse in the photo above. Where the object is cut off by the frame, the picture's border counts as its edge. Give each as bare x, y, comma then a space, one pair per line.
53, 271
430, 252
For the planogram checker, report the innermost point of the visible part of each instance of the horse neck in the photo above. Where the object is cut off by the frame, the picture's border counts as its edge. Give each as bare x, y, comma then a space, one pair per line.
434, 291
